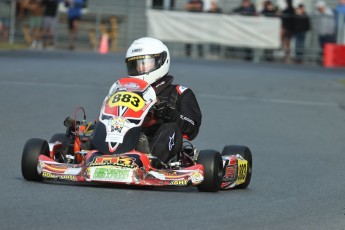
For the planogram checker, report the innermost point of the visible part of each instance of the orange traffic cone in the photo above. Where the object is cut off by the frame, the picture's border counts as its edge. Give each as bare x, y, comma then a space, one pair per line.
104, 46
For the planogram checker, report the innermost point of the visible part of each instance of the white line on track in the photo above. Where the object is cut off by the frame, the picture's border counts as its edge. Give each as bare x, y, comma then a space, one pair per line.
270, 100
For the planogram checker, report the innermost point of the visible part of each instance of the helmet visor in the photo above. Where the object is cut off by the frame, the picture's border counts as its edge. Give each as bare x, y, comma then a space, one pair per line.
143, 64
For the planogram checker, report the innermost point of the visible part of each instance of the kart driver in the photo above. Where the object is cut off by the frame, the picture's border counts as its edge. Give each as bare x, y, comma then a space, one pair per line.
177, 114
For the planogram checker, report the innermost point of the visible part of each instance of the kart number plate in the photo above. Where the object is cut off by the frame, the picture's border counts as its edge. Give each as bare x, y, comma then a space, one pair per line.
128, 99
242, 166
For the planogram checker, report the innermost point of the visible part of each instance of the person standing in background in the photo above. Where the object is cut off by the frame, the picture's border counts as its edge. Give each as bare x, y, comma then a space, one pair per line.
5, 17
214, 9
197, 7
287, 17
74, 14
49, 21
340, 13
35, 10
301, 27
324, 25
247, 8
269, 10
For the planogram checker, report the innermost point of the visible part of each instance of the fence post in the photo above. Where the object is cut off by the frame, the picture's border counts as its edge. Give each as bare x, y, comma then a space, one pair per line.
340, 29
12, 22
97, 27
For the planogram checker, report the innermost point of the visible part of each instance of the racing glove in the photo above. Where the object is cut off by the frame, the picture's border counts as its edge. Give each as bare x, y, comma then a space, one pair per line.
165, 112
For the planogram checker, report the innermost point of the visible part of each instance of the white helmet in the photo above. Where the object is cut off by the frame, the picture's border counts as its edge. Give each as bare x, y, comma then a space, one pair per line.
148, 59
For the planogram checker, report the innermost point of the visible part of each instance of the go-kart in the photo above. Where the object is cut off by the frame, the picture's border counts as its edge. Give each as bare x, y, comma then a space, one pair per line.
109, 150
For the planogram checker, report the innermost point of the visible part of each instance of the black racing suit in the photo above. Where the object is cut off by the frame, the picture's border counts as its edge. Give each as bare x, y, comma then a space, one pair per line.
183, 120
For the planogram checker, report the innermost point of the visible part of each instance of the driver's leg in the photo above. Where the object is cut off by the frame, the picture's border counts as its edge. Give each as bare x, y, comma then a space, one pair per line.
166, 142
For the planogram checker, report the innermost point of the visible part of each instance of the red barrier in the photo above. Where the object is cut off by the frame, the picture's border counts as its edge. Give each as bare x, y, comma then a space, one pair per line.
334, 55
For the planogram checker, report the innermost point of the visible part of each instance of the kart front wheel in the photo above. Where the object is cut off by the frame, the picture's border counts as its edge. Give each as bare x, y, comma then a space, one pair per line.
213, 170
246, 154
32, 149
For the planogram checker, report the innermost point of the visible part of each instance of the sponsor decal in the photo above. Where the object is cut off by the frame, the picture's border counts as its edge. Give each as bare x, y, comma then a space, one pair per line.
160, 84
113, 137
114, 129
228, 185
139, 57
122, 161
115, 174
181, 89
137, 50
157, 175
131, 86
127, 99
74, 171
61, 177
196, 177
117, 124
169, 173
187, 119
179, 182
230, 173
174, 174
171, 142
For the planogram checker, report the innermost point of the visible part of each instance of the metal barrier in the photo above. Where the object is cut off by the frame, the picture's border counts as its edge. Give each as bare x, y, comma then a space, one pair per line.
126, 20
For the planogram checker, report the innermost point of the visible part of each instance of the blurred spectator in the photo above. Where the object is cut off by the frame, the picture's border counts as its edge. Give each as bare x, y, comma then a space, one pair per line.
246, 8
301, 27
74, 14
340, 13
163, 4
215, 9
50, 11
35, 11
194, 6
324, 25
269, 10
5, 16
287, 17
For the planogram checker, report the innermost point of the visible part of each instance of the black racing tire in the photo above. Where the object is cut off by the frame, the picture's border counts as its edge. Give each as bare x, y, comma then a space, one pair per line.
213, 170
245, 152
32, 149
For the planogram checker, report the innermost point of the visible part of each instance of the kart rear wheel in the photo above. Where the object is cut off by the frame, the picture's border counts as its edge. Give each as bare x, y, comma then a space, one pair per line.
60, 137
245, 152
213, 170
32, 149
66, 148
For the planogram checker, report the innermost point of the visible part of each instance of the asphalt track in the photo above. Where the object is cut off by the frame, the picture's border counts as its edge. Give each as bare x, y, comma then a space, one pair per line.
291, 117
